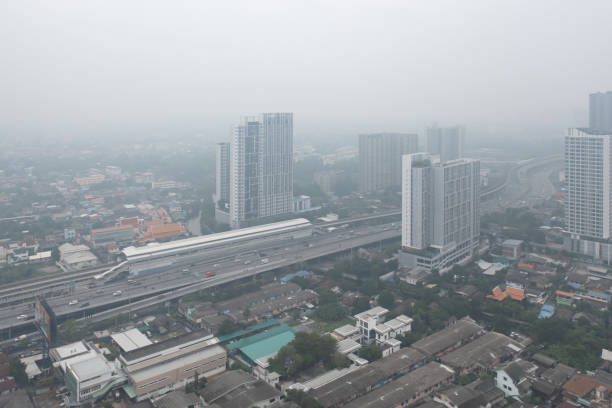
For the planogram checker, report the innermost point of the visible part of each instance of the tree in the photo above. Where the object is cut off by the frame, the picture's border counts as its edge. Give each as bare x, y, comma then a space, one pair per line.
227, 326
330, 312
55, 254
326, 296
386, 299
17, 371
360, 304
370, 353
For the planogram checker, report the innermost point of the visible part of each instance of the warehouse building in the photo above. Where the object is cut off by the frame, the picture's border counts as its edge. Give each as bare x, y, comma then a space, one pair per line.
158, 368
367, 378
482, 354
237, 389
450, 338
407, 390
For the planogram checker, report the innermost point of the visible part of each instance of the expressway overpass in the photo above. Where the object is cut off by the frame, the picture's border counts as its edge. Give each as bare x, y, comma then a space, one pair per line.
103, 300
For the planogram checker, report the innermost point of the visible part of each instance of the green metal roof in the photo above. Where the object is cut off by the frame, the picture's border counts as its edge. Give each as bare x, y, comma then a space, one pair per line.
259, 337
250, 329
267, 346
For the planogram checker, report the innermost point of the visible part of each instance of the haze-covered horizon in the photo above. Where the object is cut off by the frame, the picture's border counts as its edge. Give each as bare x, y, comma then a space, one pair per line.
74, 69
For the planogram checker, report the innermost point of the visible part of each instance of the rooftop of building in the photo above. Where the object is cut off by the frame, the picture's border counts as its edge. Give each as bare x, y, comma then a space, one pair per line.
68, 350
237, 389
177, 363
404, 388
176, 399
373, 313
513, 242
462, 397
154, 348
130, 340
446, 338
346, 330
358, 381
95, 366
267, 292
485, 351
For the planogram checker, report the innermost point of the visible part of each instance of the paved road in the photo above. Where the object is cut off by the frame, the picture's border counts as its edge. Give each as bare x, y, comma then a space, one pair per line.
228, 264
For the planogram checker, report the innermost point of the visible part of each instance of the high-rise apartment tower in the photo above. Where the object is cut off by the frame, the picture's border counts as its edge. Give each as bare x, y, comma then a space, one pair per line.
261, 168
440, 211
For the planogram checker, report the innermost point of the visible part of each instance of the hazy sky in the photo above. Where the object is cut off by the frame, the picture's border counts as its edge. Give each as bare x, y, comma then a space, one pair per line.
89, 68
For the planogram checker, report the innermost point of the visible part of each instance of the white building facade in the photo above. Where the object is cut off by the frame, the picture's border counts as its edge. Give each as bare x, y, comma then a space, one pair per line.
588, 177
261, 168
440, 211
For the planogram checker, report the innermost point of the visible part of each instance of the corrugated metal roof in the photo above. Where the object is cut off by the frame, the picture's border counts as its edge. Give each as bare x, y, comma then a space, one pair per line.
259, 337
131, 339
268, 346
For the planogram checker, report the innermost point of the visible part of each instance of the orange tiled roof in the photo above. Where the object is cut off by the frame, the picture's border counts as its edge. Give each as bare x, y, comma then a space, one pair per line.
567, 294
580, 385
514, 293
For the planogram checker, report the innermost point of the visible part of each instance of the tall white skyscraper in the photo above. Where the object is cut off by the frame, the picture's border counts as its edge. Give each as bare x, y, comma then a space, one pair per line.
446, 142
600, 111
222, 192
588, 204
440, 211
380, 159
261, 168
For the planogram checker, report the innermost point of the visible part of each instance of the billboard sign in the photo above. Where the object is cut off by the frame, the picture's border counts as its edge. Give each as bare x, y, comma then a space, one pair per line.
44, 318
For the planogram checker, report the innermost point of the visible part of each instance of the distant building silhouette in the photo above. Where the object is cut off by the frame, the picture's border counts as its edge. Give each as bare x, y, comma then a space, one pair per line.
222, 192
446, 142
600, 111
380, 159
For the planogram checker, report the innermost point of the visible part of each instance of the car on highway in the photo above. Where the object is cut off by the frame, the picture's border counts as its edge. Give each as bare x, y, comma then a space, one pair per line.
117, 293
84, 304
265, 261
99, 291
210, 273
73, 302
247, 262
22, 317
185, 270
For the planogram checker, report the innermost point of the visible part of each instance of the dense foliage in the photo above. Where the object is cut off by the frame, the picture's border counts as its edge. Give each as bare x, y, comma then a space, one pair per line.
306, 350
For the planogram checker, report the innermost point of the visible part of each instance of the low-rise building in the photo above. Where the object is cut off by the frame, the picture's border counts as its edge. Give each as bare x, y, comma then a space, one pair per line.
511, 248
407, 390
482, 354
446, 340
75, 257
359, 382
515, 378
161, 367
237, 389
91, 378
119, 234
372, 328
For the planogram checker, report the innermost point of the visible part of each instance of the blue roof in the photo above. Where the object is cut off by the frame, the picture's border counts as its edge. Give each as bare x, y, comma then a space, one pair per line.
546, 311
292, 275
599, 295
267, 346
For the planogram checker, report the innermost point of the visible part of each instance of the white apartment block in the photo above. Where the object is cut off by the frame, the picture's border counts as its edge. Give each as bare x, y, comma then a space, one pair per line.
588, 207
440, 211
261, 168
